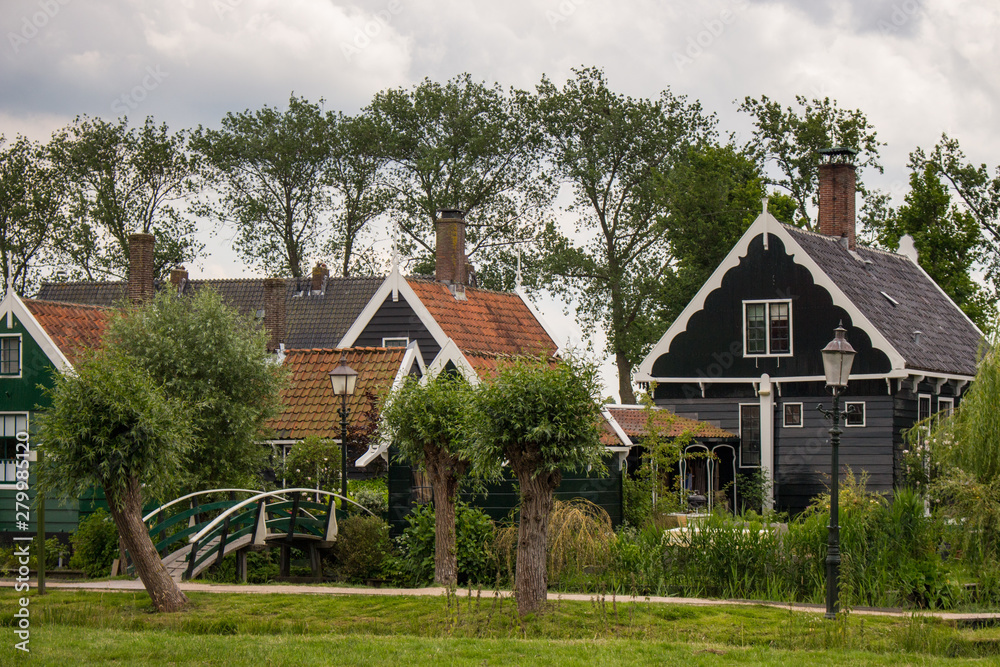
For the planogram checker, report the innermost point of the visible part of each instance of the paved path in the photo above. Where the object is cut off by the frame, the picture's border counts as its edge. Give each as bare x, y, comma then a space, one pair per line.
977, 618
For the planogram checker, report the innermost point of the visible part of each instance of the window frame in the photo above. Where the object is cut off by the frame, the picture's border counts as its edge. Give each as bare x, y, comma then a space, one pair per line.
385, 341
767, 328
20, 355
864, 414
948, 401
784, 416
759, 439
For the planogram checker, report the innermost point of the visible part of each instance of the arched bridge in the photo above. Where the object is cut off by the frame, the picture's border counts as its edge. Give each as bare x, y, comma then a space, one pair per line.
191, 540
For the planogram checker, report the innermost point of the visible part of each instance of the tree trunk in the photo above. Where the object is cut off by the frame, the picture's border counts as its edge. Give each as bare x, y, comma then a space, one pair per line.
531, 580
444, 471
126, 510
625, 392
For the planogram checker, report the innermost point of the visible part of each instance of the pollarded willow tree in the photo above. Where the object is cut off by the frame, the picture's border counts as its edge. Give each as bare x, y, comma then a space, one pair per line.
426, 421
465, 145
112, 425
541, 417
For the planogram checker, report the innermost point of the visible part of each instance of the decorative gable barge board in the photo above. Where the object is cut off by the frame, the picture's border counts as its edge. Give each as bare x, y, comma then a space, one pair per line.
502, 497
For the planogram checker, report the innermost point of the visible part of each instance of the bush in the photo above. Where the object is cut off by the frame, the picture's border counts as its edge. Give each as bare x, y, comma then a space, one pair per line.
95, 544
474, 534
262, 568
361, 548
372, 494
313, 463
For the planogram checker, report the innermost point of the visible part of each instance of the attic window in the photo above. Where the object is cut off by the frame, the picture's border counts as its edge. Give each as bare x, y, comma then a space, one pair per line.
891, 300
395, 342
10, 355
767, 328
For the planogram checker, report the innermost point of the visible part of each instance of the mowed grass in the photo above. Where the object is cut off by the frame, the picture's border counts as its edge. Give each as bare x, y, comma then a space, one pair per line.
85, 627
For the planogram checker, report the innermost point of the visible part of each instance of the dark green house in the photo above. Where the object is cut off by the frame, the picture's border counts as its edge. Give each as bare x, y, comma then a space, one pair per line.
37, 339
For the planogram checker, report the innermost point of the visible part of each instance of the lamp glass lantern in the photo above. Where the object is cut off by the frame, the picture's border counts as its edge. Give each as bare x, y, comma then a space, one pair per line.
344, 379
838, 356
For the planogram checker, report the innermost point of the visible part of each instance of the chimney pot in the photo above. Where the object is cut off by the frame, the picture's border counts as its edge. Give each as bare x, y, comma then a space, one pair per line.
140, 268
178, 278
319, 275
274, 312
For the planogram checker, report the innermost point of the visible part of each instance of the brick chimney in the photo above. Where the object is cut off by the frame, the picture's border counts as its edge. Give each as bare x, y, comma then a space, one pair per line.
450, 255
140, 268
319, 275
178, 279
274, 312
837, 181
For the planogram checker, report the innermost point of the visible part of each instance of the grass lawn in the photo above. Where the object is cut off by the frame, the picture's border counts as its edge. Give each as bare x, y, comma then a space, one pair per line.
86, 627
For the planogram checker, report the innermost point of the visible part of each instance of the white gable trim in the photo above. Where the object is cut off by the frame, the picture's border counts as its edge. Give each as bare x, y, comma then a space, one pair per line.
13, 306
450, 352
766, 224
395, 285
616, 427
381, 448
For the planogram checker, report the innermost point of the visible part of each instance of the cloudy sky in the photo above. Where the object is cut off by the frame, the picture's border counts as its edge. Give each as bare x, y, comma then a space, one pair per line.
917, 68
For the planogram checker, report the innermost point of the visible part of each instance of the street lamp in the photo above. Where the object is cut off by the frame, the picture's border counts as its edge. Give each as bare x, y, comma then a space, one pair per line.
344, 379
838, 356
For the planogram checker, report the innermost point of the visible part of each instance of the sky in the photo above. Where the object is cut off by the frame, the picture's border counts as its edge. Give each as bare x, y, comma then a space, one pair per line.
915, 68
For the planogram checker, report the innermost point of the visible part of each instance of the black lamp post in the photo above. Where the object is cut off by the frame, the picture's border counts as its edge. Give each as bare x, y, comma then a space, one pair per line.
838, 356
343, 378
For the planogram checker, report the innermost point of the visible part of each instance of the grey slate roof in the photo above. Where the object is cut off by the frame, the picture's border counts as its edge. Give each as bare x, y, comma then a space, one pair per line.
949, 342
312, 320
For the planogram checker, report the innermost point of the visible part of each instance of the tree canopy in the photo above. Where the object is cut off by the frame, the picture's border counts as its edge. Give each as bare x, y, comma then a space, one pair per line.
615, 153
123, 180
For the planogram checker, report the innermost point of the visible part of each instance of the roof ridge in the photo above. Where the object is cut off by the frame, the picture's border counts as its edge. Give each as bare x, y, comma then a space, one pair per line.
71, 304
833, 239
431, 281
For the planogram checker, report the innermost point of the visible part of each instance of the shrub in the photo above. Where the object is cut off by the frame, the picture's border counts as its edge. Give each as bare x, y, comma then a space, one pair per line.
361, 548
474, 535
95, 544
313, 463
372, 494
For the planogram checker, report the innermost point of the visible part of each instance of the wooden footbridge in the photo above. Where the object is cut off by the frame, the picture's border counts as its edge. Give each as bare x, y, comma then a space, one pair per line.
194, 538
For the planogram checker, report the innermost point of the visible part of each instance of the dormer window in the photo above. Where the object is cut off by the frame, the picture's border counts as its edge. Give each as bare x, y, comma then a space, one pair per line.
10, 355
767, 328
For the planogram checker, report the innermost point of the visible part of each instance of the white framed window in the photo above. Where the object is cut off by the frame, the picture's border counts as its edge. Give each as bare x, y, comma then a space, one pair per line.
767, 328
395, 342
946, 405
11, 423
750, 435
792, 415
10, 355
855, 413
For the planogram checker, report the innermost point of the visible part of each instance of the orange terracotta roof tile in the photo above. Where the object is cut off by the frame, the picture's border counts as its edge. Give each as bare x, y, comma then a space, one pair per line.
633, 420
486, 321
310, 404
73, 328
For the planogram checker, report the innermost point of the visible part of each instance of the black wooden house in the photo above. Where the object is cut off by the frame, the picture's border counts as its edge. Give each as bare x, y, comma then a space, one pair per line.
745, 352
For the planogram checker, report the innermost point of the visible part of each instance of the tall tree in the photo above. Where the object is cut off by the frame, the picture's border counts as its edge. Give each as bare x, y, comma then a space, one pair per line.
978, 193
542, 419
948, 239
121, 181
112, 425
714, 195
356, 174
32, 220
207, 356
790, 138
268, 168
614, 152
425, 421
468, 146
